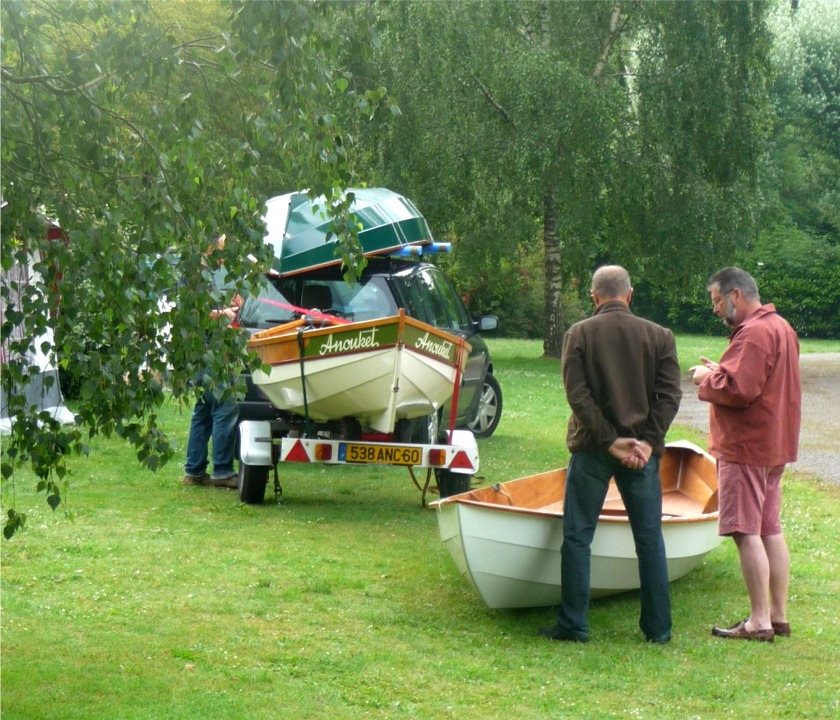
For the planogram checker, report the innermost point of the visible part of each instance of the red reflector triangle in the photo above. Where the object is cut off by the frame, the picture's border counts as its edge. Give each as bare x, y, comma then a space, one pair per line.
297, 453
461, 461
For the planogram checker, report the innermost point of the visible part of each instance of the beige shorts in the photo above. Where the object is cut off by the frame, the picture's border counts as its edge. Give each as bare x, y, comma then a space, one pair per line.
750, 499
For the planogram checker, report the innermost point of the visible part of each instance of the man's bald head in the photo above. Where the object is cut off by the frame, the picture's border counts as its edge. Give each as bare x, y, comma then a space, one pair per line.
611, 282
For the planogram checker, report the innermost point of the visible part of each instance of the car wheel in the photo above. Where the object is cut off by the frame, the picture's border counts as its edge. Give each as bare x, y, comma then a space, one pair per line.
489, 408
421, 431
252, 482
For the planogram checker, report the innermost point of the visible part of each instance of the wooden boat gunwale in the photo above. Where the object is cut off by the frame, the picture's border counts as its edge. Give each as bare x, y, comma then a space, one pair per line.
605, 516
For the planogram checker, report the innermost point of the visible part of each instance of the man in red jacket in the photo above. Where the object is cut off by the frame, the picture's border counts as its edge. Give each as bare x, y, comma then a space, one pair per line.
755, 397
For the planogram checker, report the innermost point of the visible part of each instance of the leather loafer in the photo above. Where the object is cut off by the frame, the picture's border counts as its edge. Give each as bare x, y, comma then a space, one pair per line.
782, 629
740, 632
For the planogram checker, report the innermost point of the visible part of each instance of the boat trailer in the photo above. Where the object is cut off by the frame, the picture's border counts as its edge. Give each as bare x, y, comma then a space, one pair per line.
452, 463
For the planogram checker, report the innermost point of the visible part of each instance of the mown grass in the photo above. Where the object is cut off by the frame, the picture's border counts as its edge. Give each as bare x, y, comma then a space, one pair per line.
160, 601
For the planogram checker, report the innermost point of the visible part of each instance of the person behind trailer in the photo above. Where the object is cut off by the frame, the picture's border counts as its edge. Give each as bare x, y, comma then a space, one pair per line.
214, 416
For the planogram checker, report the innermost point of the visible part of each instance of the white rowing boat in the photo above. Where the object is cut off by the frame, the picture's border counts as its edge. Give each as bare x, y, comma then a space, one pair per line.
505, 538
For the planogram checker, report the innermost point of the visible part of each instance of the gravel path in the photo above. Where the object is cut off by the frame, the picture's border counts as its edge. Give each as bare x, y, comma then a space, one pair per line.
819, 440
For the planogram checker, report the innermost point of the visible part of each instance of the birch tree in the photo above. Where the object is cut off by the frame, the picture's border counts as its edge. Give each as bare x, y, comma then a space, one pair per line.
142, 129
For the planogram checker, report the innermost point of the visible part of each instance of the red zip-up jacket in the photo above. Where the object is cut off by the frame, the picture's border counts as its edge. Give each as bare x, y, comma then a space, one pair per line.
755, 395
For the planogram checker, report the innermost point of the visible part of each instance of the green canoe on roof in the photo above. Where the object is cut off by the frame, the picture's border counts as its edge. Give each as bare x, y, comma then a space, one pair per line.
298, 228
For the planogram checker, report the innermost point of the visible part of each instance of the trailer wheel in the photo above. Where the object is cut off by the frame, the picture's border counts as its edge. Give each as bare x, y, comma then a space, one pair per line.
252, 482
452, 483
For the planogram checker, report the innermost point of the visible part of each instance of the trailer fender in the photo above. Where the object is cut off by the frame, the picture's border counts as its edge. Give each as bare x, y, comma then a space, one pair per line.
255, 444
466, 440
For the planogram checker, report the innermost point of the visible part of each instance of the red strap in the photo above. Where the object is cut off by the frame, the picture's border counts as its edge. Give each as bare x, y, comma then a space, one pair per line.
305, 311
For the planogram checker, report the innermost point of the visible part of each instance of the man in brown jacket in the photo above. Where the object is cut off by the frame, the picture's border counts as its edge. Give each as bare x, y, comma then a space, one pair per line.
622, 381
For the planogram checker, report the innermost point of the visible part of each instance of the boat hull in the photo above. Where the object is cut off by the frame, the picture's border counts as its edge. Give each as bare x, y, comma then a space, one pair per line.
302, 236
377, 372
511, 553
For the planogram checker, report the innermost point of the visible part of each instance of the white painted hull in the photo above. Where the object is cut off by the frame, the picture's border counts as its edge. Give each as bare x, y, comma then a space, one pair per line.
377, 384
362, 387
512, 555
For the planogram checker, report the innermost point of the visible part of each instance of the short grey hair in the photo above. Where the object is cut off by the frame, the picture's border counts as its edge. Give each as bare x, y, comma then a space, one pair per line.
611, 281
733, 277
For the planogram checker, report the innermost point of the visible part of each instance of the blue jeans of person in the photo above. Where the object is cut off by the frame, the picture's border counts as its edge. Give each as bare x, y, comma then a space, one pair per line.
216, 419
587, 481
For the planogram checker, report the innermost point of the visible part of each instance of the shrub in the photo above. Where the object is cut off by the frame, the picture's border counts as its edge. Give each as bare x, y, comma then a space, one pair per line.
800, 274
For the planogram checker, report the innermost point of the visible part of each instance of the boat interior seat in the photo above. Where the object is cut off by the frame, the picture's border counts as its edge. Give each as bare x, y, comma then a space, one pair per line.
316, 297
711, 503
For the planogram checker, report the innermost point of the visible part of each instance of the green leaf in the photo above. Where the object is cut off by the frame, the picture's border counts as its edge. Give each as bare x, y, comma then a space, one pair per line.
15, 521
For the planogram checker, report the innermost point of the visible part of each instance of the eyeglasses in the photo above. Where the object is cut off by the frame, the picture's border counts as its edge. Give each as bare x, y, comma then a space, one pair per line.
719, 299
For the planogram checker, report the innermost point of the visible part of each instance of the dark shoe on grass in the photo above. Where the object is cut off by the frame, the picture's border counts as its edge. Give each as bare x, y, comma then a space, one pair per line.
740, 632
782, 629
226, 481
556, 633
196, 479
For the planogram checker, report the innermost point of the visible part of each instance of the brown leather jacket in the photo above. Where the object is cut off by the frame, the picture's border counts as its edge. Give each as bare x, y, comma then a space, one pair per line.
622, 379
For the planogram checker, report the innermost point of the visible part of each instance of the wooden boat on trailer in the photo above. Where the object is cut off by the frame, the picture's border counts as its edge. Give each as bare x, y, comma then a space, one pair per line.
353, 392
505, 538
376, 372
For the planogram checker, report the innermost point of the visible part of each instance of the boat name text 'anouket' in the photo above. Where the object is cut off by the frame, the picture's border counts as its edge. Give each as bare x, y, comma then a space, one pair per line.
442, 349
363, 339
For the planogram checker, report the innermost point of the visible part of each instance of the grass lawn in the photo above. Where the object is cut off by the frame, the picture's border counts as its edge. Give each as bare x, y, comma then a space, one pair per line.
161, 601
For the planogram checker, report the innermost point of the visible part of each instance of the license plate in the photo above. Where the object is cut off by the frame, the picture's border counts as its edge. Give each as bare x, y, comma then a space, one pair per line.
380, 454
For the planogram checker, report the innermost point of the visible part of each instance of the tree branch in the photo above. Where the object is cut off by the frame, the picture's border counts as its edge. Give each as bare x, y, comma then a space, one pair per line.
490, 99
49, 82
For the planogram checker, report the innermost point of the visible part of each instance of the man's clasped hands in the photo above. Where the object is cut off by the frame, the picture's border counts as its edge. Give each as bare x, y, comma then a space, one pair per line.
632, 453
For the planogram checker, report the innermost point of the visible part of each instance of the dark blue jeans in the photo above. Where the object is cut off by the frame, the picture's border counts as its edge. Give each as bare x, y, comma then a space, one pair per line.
214, 418
587, 481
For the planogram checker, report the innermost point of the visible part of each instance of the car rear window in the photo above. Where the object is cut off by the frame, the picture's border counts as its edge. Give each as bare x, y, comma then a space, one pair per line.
368, 299
266, 308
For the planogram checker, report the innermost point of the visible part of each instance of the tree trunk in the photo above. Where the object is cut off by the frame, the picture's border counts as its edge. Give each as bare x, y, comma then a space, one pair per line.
553, 341
555, 323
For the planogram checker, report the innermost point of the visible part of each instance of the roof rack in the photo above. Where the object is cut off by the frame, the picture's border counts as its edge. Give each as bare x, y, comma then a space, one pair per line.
417, 250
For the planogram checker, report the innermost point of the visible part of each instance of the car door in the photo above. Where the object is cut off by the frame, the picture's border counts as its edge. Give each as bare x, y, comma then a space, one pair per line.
432, 298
